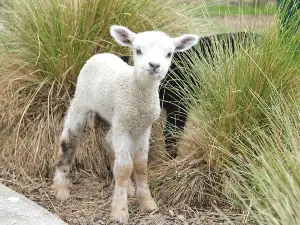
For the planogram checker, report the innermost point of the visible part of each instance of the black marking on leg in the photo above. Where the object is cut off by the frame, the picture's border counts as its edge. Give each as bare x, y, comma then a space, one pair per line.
67, 153
100, 119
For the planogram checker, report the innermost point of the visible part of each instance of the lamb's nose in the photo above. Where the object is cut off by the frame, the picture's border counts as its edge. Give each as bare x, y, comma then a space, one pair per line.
154, 65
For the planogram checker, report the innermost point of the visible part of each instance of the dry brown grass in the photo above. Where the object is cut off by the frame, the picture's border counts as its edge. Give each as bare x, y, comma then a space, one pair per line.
31, 122
190, 178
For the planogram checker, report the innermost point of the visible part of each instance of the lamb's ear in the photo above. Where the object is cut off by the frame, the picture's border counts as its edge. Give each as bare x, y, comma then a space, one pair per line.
185, 42
122, 35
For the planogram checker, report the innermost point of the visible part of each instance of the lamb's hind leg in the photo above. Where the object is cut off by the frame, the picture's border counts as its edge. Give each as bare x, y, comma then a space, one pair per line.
140, 160
73, 126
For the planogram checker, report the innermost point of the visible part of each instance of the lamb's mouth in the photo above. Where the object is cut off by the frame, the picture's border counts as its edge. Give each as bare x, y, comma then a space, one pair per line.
152, 72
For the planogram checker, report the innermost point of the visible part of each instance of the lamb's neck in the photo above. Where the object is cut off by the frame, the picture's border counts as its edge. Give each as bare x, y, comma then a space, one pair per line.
147, 86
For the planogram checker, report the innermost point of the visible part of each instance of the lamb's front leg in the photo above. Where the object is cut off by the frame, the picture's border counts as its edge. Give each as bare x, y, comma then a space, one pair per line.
131, 188
140, 161
122, 144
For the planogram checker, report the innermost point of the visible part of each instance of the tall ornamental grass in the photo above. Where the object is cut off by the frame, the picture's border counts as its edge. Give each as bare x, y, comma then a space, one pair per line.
266, 171
225, 95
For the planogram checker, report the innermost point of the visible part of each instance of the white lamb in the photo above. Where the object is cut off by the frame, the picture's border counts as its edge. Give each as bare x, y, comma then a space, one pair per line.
127, 98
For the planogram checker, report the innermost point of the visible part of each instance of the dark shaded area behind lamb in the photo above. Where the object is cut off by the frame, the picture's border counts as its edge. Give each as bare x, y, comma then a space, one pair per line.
175, 102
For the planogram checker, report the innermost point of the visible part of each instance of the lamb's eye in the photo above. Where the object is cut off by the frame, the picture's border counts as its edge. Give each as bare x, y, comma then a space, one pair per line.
169, 55
138, 51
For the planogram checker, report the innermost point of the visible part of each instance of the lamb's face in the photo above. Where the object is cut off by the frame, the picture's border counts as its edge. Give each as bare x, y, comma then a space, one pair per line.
152, 54
152, 50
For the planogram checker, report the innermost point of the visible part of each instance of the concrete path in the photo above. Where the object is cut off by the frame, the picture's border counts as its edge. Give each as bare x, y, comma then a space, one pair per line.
15, 209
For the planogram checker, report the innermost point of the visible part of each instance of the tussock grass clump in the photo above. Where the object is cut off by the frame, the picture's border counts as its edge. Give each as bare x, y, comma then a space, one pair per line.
267, 169
44, 45
225, 95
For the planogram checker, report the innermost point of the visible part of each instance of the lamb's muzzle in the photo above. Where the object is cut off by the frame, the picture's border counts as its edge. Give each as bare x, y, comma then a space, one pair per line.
127, 98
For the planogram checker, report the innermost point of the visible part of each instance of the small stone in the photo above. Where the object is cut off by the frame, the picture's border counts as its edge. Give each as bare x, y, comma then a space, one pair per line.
171, 212
181, 217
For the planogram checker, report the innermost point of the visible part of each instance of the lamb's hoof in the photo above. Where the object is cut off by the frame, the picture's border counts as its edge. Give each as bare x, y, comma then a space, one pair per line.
61, 193
130, 190
148, 205
120, 216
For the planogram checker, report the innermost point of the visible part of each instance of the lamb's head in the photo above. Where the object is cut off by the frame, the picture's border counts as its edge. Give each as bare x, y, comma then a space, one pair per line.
152, 50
